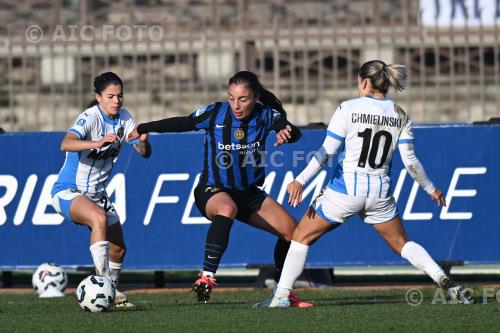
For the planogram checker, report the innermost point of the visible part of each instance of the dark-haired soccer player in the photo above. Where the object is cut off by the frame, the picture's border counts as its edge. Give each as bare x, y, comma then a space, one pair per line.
92, 146
235, 140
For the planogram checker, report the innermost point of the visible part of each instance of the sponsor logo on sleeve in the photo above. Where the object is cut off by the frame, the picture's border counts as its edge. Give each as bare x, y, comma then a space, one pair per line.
80, 122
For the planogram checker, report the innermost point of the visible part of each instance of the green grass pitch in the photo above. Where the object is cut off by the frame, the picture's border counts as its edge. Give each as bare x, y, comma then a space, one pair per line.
336, 310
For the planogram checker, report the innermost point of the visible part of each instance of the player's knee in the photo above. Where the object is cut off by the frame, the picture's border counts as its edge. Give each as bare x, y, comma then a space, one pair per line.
302, 237
287, 235
99, 220
228, 210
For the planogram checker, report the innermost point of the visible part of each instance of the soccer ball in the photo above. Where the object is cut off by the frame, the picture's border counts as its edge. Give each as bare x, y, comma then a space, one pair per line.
47, 276
95, 293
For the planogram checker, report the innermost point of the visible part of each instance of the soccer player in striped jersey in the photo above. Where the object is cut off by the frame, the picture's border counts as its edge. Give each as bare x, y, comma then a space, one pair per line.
235, 140
92, 146
365, 131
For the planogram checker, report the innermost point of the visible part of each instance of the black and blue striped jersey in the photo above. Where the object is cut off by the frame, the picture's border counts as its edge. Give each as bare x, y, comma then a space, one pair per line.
234, 150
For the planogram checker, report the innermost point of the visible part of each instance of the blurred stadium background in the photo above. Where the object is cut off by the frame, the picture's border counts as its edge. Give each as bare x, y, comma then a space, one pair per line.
177, 55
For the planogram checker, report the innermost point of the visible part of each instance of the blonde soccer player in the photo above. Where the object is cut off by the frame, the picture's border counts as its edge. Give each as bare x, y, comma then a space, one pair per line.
365, 131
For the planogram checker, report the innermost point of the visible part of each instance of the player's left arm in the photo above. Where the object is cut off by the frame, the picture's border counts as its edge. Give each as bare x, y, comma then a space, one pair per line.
417, 172
286, 132
413, 165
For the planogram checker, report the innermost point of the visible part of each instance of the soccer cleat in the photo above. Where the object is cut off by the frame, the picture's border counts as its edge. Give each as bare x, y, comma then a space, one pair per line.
265, 303
457, 292
273, 302
203, 287
121, 300
297, 303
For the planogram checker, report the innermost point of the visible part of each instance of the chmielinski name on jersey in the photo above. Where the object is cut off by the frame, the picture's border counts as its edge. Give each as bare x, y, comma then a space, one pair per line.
376, 120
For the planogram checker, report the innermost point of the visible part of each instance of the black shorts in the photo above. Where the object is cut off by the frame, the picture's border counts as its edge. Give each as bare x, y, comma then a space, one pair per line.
248, 201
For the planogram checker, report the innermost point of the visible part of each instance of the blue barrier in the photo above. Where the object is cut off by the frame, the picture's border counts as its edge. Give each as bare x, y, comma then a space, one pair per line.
164, 230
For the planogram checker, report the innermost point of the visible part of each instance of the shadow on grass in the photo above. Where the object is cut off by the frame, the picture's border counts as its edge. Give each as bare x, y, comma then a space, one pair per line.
136, 308
208, 304
359, 301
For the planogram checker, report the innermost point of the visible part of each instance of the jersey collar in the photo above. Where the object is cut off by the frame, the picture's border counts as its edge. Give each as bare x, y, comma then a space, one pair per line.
377, 99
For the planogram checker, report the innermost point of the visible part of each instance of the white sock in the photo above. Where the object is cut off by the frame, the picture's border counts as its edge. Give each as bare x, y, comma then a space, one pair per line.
114, 271
293, 267
209, 274
100, 254
418, 257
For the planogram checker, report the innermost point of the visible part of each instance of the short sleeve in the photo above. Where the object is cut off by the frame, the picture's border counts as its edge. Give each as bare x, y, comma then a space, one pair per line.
82, 125
337, 128
129, 126
201, 117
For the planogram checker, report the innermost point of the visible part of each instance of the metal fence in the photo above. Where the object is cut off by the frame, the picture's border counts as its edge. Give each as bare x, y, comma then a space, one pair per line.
175, 56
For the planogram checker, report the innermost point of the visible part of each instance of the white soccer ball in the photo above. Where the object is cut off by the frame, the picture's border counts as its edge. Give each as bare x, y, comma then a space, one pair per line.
95, 293
47, 276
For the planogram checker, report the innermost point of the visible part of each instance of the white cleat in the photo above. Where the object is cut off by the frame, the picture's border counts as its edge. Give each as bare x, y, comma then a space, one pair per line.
273, 302
457, 293
461, 295
121, 300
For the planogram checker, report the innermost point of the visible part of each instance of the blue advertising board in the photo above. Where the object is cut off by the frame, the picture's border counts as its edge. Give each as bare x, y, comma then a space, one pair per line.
164, 230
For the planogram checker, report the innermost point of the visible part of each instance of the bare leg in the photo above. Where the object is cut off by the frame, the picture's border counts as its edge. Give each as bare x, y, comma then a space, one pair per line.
394, 234
117, 251
310, 229
86, 212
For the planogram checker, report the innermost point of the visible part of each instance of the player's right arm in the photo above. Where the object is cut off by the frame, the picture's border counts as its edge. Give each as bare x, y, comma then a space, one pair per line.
195, 121
174, 124
335, 137
72, 142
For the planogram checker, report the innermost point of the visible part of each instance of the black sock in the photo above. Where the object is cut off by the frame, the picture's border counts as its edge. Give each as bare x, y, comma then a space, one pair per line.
216, 242
280, 251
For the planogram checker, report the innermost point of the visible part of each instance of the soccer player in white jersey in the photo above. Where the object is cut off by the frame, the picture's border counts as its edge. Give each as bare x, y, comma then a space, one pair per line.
92, 146
369, 129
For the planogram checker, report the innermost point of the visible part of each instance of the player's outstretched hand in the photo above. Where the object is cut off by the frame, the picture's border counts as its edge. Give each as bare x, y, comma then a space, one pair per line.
438, 196
107, 140
283, 136
134, 135
295, 193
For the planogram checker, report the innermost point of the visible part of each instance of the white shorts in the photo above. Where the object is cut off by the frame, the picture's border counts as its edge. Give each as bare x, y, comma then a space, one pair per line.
336, 207
62, 201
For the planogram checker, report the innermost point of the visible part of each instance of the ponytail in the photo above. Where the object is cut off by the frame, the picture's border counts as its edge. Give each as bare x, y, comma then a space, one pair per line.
383, 76
396, 74
268, 98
